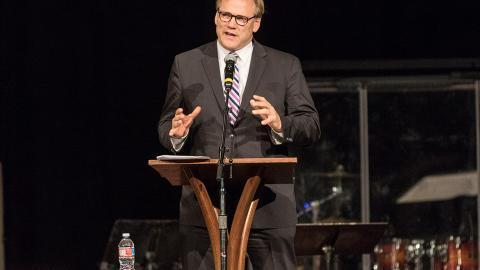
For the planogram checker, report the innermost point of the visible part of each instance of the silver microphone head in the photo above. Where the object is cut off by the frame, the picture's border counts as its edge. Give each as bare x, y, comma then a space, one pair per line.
230, 57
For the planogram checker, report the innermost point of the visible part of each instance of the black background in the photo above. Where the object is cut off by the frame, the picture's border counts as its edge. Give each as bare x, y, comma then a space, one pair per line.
83, 82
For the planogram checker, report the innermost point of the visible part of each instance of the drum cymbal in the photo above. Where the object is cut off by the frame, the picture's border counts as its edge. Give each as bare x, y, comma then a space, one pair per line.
338, 173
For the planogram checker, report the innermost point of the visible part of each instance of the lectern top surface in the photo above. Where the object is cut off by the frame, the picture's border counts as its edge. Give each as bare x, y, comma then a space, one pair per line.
278, 170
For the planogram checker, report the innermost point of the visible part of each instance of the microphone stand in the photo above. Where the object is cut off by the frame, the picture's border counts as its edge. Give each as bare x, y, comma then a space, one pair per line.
222, 217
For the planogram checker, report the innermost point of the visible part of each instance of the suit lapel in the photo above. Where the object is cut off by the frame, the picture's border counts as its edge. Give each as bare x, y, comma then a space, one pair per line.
210, 64
257, 67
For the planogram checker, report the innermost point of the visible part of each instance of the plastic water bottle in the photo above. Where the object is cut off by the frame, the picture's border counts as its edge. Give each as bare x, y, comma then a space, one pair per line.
126, 253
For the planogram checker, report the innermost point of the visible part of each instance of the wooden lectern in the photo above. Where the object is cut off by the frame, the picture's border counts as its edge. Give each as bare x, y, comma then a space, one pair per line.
252, 172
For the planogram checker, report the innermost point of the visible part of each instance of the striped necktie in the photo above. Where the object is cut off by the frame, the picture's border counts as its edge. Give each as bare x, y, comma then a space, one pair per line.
234, 97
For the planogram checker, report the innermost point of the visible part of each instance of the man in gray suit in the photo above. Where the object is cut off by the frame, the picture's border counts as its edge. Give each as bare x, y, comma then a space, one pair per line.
270, 107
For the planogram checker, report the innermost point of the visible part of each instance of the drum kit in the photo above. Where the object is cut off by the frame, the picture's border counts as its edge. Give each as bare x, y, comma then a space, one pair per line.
446, 253
454, 253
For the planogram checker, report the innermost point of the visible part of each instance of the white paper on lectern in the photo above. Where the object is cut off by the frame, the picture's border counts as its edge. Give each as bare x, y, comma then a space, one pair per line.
180, 158
442, 187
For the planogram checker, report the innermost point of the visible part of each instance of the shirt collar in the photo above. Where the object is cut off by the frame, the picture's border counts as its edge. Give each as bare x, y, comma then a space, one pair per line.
243, 53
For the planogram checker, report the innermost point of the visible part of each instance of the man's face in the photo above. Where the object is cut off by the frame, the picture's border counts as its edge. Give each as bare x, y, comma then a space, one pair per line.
231, 35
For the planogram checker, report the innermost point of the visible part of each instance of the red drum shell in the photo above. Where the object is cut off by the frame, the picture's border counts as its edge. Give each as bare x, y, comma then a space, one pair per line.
391, 255
461, 253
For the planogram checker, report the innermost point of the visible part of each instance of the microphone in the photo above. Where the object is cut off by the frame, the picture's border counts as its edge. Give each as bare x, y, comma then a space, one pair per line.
230, 60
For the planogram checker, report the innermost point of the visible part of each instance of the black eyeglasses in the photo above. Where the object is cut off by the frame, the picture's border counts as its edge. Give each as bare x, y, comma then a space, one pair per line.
239, 19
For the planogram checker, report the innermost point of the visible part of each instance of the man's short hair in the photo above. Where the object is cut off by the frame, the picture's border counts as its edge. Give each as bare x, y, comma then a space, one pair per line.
259, 7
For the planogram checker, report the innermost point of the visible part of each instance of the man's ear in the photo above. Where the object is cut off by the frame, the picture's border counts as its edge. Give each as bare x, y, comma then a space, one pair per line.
256, 24
215, 18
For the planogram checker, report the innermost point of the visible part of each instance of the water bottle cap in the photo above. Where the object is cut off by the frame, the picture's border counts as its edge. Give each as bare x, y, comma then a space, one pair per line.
126, 234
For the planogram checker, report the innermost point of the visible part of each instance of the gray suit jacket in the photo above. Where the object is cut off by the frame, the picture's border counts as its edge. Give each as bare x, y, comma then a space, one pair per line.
277, 76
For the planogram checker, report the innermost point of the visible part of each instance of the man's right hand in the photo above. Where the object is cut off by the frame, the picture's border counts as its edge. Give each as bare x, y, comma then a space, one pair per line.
181, 122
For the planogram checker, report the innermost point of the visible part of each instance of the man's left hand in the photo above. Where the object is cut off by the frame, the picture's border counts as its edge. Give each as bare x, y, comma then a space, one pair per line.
266, 112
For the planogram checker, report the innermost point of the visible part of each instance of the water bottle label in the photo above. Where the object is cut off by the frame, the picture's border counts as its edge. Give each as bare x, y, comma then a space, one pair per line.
126, 252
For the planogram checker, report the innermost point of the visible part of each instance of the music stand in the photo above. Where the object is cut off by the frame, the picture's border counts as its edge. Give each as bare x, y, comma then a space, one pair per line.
337, 238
